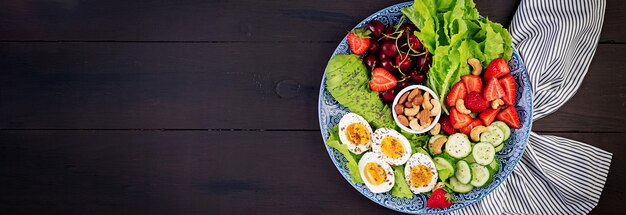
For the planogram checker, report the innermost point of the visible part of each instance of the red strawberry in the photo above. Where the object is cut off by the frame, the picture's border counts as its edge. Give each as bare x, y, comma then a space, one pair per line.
467, 129
446, 125
508, 83
458, 119
473, 83
509, 116
493, 90
439, 199
382, 80
488, 116
457, 92
475, 102
359, 40
497, 68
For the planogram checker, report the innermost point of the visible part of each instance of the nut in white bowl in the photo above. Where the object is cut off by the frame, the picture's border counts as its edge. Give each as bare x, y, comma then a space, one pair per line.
419, 112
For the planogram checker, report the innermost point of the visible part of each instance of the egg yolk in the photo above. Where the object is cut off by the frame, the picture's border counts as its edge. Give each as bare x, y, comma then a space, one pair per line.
358, 134
420, 176
392, 147
374, 173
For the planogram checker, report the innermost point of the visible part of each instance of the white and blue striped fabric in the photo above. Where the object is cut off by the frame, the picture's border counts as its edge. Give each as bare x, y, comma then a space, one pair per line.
556, 40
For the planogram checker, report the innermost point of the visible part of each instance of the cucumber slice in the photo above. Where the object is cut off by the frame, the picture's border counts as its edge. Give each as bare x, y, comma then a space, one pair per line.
481, 175
463, 172
459, 187
505, 128
445, 162
495, 165
499, 148
470, 159
430, 143
458, 146
483, 153
493, 135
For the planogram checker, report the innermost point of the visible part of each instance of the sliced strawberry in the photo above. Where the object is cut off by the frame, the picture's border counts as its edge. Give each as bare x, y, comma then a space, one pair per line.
473, 83
509, 116
457, 92
458, 119
497, 68
382, 80
446, 125
475, 102
359, 40
467, 129
508, 84
493, 90
488, 116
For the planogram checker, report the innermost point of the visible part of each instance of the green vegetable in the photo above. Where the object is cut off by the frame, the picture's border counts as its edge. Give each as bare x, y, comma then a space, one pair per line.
347, 80
400, 189
453, 32
353, 164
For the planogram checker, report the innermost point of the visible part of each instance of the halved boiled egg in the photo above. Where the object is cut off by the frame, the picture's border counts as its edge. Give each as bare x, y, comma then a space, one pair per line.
394, 147
355, 132
376, 173
420, 173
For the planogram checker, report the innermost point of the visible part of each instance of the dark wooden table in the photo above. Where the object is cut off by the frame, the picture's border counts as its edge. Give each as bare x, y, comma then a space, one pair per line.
191, 107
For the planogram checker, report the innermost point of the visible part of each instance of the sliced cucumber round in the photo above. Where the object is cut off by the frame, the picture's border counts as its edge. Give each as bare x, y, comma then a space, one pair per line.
463, 172
458, 146
483, 153
445, 162
495, 165
431, 141
493, 135
505, 128
499, 148
459, 187
481, 175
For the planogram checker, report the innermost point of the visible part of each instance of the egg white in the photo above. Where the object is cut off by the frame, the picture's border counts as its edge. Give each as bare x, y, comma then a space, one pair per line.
377, 140
347, 120
372, 157
417, 159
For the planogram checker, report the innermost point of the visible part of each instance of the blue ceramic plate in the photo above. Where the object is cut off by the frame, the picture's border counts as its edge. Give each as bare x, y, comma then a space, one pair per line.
330, 112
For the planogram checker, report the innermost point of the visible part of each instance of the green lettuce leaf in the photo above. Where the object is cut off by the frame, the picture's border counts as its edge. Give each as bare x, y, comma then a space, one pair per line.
400, 189
352, 164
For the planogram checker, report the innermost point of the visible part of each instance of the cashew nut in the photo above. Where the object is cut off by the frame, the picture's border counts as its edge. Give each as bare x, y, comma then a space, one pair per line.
495, 104
436, 107
417, 101
415, 125
399, 109
411, 118
424, 118
476, 65
403, 98
414, 93
438, 144
403, 120
476, 131
427, 105
439, 185
411, 111
460, 106
435, 130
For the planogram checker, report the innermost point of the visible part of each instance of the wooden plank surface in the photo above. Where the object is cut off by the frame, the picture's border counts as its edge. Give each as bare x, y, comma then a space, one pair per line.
240, 20
220, 86
146, 172
161, 20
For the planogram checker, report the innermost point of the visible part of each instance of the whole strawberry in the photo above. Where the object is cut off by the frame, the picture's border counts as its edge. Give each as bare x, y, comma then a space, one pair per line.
475, 102
359, 40
439, 199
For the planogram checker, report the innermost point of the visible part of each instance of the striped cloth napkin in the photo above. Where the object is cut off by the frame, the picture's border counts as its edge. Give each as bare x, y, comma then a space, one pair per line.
556, 40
